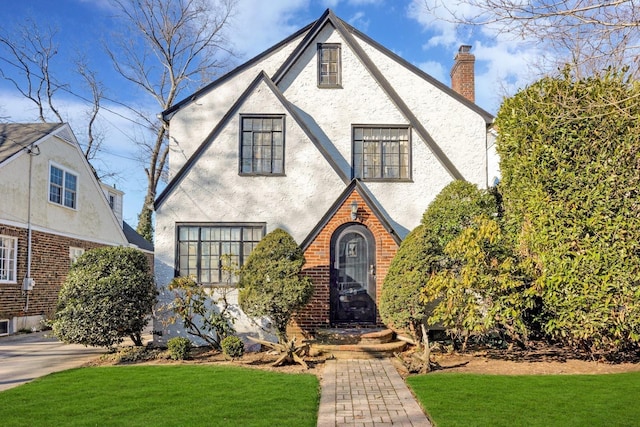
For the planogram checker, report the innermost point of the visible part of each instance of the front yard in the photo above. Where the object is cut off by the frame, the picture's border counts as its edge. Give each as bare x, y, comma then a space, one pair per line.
468, 400
164, 395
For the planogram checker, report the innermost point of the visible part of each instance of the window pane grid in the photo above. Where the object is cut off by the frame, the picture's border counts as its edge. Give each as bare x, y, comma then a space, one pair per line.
329, 65
8, 259
216, 251
62, 187
262, 148
381, 153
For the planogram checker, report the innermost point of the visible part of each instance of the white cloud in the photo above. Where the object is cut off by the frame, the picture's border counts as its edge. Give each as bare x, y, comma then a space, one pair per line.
258, 24
504, 63
358, 21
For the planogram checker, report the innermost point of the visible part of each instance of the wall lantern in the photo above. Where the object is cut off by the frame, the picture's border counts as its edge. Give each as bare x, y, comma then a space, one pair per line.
354, 210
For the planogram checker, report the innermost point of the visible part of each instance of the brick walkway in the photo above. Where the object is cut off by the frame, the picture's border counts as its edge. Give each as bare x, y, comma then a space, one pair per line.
367, 392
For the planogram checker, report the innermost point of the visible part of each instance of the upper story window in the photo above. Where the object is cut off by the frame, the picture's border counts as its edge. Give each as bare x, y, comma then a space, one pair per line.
8, 259
381, 153
212, 252
262, 145
63, 187
329, 65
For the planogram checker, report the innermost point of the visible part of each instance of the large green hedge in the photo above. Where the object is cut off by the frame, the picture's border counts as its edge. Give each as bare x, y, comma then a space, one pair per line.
570, 161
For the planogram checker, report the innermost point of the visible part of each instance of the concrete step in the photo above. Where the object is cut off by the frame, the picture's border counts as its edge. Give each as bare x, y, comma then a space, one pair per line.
354, 336
356, 343
358, 351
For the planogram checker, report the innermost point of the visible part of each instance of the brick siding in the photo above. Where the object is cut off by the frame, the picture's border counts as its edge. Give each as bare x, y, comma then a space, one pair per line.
50, 264
318, 258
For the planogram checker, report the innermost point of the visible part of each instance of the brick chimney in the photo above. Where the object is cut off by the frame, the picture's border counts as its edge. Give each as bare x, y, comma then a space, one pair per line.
463, 78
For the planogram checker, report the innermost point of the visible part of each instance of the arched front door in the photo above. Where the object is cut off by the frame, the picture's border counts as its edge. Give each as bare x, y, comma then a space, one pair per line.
353, 285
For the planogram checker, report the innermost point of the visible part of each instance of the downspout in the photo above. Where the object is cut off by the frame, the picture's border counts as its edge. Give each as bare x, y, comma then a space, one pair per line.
27, 285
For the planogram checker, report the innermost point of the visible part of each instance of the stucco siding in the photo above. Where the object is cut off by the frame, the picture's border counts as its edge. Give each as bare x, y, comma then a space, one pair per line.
191, 124
91, 220
458, 130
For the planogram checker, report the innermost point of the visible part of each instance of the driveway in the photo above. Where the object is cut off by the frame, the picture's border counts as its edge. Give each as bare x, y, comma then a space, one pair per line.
24, 357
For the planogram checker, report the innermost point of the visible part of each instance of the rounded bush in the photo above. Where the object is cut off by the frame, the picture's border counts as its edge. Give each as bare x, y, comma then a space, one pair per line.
232, 347
179, 348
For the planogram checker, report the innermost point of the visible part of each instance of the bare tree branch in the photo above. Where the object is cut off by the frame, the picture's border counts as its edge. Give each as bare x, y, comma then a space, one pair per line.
178, 40
588, 34
33, 49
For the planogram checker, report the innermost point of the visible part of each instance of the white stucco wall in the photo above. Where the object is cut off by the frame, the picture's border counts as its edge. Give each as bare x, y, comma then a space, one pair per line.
91, 220
191, 124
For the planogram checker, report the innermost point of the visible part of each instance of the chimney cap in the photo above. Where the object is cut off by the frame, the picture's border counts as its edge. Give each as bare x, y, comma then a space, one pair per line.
465, 48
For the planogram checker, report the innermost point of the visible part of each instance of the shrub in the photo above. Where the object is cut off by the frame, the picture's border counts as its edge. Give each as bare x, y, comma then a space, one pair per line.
232, 347
202, 315
422, 254
108, 295
270, 281
179, 348
569, 161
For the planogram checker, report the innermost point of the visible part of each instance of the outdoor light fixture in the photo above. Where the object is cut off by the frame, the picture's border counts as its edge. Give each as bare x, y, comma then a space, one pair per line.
354, 210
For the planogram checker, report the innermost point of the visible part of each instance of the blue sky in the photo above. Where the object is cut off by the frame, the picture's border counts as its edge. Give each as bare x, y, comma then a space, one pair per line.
403, 26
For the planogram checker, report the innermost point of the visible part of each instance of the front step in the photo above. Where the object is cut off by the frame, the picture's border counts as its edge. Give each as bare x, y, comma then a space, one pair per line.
356, 343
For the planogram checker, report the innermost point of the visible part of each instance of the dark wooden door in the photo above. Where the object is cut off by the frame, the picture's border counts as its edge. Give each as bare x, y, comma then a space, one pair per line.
353, 287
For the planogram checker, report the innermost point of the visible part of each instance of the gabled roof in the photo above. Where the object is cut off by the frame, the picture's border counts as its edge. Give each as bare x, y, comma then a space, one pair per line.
354, 185
134, 238
261, 78
15, 137
330, 18
166, 114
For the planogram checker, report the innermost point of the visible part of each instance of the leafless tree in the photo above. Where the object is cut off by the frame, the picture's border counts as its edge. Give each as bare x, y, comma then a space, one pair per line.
587, 34
31, 51
167, 45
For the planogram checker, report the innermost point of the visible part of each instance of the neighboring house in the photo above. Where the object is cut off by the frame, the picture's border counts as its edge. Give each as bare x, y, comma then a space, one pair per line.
329, 136
52, 209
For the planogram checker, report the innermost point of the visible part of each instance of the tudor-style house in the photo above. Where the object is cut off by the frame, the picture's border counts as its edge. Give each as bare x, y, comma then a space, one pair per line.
329, 136
52, 209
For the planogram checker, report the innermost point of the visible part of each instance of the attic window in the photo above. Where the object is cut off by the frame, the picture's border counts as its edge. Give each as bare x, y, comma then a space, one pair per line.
63, 187
329, 65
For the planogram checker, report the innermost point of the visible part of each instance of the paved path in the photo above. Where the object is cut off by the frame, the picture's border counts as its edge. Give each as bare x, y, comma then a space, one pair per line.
367, 392
25, 357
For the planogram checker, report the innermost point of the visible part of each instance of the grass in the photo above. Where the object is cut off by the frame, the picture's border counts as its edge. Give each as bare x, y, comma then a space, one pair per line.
163, 396
555, 400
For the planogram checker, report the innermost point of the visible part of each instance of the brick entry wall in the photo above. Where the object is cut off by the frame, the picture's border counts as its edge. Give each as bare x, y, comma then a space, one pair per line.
318, 256
49, 267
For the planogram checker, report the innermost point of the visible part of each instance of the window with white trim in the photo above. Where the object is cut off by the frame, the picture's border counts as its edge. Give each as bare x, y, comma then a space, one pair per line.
211, 252
262, 145
63, 187
381, 153
8, 259
75, 253
329, 65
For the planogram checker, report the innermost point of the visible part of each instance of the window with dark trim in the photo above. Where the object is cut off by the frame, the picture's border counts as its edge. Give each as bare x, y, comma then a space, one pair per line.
211, 253
63, 187
329, 65
262, 145
8, 259
381, 153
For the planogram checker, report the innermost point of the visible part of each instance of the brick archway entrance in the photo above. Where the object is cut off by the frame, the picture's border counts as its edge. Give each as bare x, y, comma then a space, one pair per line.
353, 281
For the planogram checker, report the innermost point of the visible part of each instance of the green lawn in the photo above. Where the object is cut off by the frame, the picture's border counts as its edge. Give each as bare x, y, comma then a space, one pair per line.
163, 396
550, 400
